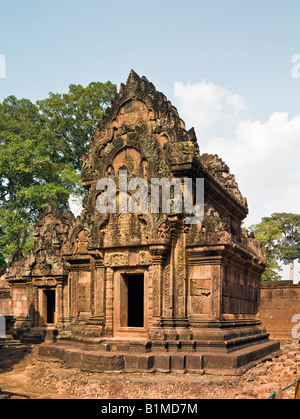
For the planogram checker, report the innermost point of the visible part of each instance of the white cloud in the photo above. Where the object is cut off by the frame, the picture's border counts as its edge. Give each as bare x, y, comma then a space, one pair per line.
204, 104
264, 155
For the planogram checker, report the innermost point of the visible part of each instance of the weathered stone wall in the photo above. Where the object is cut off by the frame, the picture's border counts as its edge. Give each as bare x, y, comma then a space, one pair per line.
5, 302
19, 301
240, 292
5, 296
280, 302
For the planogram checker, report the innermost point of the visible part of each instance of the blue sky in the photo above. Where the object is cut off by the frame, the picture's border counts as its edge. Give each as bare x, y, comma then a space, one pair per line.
243, 46
225, 64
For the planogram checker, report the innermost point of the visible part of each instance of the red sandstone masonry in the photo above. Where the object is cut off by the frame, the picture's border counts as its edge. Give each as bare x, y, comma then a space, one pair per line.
280, 301
146, 291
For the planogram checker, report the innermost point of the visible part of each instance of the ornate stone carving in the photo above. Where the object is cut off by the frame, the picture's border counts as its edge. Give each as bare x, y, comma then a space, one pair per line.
144, 258
81, 243
116, 259
44, 282
190, 280
221, 173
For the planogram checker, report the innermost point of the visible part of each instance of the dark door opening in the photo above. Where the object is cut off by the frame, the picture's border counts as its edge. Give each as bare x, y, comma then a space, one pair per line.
132, 301
50, 302
135, 300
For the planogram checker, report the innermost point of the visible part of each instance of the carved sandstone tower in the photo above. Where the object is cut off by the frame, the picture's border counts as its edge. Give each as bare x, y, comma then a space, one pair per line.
147, 291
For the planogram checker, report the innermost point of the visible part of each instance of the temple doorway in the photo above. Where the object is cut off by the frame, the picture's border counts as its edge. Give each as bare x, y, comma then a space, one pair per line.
130, 304
49, 313
135, 300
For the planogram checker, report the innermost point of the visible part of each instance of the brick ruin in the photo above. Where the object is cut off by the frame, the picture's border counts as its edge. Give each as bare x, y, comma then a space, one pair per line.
144, 292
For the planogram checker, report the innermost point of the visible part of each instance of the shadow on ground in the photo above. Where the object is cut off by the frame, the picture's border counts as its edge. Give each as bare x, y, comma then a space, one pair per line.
12, 355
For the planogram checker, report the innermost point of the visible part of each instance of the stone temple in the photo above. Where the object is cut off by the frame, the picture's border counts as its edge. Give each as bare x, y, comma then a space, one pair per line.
143, 291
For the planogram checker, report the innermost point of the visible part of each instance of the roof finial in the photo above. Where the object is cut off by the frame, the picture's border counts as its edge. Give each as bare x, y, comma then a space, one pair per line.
133, 77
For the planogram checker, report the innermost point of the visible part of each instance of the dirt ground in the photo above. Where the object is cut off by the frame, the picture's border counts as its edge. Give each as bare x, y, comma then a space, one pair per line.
24, 375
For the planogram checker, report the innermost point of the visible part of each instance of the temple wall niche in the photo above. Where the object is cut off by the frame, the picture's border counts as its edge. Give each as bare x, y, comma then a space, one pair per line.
128, 158
200, 289
84, 292
19, 301
5, 304
132, 112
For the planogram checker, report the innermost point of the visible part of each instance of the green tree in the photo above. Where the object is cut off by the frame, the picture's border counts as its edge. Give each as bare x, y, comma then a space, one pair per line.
289, 244
72, 118
2, 257
280, 235
40, 149
268, 232
30, 180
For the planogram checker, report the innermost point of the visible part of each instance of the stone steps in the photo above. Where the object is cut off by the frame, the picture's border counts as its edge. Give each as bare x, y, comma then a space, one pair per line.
143, 345
9, 341
104, 361
97, 360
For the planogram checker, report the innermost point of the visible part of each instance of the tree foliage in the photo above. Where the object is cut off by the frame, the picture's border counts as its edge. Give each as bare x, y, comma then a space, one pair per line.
289, 245
40, 149
279, 234
72, 118
268, 233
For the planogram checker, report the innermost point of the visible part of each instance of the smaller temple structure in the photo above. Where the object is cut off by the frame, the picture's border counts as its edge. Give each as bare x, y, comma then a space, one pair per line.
144, 291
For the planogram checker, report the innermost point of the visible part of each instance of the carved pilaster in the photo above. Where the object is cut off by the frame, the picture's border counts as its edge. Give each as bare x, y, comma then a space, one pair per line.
74, 294
109, 298
59, 304
216, 301
36, 318
179, 276
155, 276
99, 291
156, 272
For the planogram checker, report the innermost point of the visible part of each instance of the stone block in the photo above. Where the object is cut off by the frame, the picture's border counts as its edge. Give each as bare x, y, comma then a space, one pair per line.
113, 362
158, 346
194, 363
163, 362
145, 362
104, 347
90, 361
131, 362
178, 362
73, 358
187, 345
173, 345
122, 347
